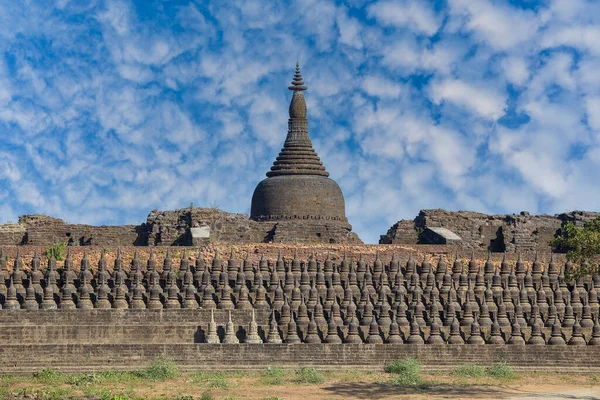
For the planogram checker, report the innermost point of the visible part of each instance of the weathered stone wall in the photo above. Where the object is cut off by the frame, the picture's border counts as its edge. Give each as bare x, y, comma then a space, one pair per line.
128, 326
513, 232
45, 231
174, 228
307, 231
16, 359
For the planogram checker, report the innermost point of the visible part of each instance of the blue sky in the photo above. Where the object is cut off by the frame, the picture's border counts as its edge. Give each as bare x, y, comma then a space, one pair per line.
111, 108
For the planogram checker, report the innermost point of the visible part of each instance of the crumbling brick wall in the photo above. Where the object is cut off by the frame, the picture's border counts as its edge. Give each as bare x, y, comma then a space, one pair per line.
513, 232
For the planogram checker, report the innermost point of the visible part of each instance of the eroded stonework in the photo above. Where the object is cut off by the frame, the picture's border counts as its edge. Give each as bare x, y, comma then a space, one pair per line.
514, 232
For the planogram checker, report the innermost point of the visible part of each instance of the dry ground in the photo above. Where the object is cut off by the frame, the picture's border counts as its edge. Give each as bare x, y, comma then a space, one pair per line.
290, 385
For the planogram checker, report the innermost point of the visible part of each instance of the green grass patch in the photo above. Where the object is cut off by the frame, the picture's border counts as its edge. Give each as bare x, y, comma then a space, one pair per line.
160, 369
274, 376
309, 376
470, 371
407, 371
101, 394
501, 370
42, 394
213, 380
49, 376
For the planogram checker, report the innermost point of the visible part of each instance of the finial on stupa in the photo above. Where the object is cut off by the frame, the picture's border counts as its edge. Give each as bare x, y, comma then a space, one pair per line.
297, 82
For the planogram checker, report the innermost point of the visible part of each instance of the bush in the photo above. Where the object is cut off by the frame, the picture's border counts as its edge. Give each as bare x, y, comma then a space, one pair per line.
408, 372
206, 396
48, 375
160, 369
57, 250
310, 376
501, 370
469, 370
274, 376
219, 382
581, 245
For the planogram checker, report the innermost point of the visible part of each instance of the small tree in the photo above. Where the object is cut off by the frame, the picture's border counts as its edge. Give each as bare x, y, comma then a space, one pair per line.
57, 250
581, 245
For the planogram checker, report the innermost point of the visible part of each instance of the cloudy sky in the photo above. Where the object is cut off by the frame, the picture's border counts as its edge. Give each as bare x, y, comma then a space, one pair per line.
111, 108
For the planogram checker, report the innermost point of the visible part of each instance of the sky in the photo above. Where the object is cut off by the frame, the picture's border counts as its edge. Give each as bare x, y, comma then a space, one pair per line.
112, 108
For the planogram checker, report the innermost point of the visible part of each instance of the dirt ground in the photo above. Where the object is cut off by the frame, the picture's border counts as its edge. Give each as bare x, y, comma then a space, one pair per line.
288, 386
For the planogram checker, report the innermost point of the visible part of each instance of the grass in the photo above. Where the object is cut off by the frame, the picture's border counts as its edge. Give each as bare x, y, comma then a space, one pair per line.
469, 370
160, 369
274, 376
501, 370
407, 372
498, 371
163, 381
310, 376
212, 380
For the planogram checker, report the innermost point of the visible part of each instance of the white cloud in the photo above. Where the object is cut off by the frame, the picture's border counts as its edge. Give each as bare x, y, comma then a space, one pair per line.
415, 15
500, 26
592, 105
381, 87
516, 70
582, 37
485, 101
349, 29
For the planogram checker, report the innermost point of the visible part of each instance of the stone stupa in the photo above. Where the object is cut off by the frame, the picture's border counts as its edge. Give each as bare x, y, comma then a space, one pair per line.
298, 196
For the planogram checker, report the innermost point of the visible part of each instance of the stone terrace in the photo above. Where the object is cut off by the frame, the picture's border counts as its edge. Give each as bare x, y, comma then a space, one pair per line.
234, 312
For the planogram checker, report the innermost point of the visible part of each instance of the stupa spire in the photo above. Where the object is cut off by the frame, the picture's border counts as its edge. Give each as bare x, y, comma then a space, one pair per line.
298, 157
297, 82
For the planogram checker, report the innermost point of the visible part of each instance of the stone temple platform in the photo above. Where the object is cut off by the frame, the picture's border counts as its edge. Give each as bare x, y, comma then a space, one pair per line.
234, 313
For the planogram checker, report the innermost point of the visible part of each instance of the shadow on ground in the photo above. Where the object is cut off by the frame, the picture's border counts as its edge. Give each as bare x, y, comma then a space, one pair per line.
364, 390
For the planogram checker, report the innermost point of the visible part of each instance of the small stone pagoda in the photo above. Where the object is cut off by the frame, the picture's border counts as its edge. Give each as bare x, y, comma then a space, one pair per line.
298, 194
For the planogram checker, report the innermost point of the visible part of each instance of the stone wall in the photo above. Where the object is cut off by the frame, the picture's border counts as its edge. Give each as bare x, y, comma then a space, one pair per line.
15, 359
173, 227
45, 231
307, 231
91, 340
176, 228
132, 326
514, 232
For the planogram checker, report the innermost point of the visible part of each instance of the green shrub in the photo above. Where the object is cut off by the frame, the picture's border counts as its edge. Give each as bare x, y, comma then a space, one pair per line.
160, 369
207, 396
101, 394
48, 375
582, 244
274, 376
501, 370
407, 371
218, 382
308, 375
57, 250
469, 370
42, 394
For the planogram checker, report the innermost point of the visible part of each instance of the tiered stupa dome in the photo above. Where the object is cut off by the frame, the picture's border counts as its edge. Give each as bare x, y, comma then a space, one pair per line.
298, 186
